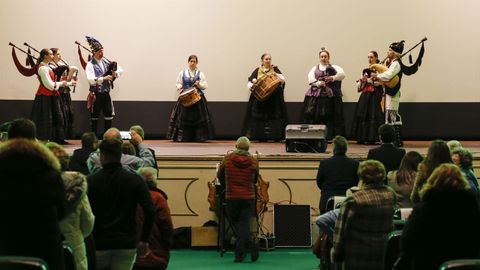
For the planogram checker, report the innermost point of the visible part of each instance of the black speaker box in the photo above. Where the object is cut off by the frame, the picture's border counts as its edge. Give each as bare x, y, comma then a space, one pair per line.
305, 138
291, 224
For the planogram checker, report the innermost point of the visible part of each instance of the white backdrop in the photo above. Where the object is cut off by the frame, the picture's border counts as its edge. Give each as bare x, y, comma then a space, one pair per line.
151, 40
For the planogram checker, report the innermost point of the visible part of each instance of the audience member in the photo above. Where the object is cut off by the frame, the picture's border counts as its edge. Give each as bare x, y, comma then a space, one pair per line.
22, 128
78, 224
364, 221
438, 153
32, 199
60, 153
238, 174
114, 194
337, 173
463, 158
128, 148
453, 145
78, 161
162, 230
444, 225
387, 153
129, 162
401, 180
139, 130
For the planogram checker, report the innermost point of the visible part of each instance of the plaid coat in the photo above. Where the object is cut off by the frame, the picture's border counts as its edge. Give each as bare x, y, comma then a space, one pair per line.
365, 219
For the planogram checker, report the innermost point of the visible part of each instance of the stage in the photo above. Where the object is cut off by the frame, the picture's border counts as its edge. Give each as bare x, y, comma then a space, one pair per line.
165, 148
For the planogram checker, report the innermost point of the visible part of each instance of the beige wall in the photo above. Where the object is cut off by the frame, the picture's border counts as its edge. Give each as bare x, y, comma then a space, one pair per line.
292, 180
152, 39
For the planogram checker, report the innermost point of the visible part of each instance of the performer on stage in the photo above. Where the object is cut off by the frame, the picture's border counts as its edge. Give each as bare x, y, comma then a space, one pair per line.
392, 97
368, 112
69, 73
190, 119
238, 174
46, 111
266, 119
323, 99
100, 75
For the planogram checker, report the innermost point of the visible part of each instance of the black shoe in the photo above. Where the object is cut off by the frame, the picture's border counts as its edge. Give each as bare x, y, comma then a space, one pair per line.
255, 253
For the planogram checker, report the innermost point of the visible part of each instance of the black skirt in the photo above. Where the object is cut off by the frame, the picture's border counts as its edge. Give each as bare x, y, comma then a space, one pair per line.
324, 110
266, 120
67, 111
190, 124
48, 118
368, 117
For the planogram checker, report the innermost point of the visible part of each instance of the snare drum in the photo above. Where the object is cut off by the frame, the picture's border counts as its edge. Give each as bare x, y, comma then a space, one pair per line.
266, 86
189, 97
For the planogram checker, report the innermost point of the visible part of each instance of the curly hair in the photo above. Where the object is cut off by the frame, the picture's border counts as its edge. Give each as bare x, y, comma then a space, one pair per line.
445, 177
371, 171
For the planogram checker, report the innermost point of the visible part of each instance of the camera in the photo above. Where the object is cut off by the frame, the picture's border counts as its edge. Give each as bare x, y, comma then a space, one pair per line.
125, 135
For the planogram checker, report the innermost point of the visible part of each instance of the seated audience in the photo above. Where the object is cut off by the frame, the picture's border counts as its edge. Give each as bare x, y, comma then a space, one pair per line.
463, 158
364, 221
78, 161
162, 230
129, 162
453, 145
32, 198
438, 153
444, 225
401, 180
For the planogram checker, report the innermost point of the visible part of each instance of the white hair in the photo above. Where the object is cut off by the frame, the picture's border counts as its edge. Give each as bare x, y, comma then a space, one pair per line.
148, 173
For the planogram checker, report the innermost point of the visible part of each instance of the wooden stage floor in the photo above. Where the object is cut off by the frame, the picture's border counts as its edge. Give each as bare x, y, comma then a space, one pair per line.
220, 147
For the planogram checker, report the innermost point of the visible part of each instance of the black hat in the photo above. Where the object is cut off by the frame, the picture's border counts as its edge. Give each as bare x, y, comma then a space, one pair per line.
94, 44
397, 46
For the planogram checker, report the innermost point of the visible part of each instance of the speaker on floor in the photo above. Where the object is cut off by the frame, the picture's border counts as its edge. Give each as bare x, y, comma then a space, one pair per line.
291, 225
305, 138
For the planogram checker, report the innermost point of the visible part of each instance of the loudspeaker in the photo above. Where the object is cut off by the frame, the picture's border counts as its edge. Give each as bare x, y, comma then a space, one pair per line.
305, 138
291, 225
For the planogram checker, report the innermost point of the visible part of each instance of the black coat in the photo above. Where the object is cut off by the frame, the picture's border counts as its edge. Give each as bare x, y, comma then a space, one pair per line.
335, 175
78, 161
388, 154
444, 226
114, 194
32, 201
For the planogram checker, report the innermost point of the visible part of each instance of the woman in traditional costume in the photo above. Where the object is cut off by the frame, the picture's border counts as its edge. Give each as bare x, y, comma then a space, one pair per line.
323, 100
369, 113
46, 111
190, 119
266, 115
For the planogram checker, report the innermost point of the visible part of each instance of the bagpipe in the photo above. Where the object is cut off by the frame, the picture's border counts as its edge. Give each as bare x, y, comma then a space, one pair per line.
25, 71
58, 70
407, 70
112, 65
326, 89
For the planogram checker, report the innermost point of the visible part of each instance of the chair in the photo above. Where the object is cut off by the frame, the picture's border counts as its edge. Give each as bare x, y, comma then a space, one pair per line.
334, 202
465, 264
69, 257
393, 248
22, 263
